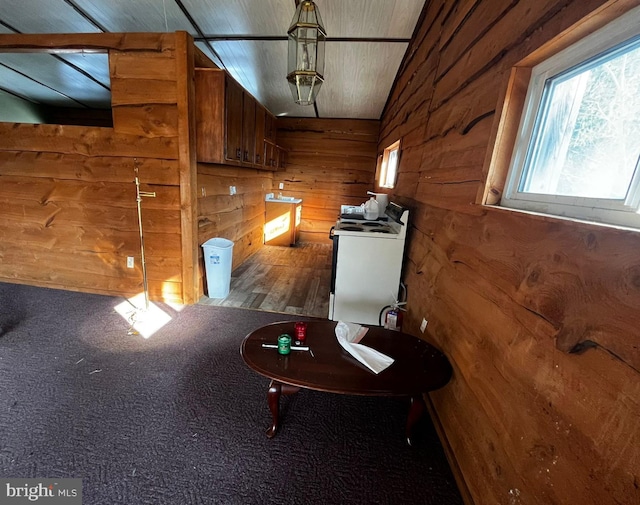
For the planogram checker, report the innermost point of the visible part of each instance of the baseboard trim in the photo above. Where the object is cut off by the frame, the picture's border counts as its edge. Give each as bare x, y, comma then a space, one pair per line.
467, 498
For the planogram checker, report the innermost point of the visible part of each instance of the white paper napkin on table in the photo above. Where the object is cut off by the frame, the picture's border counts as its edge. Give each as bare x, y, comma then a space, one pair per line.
349, 334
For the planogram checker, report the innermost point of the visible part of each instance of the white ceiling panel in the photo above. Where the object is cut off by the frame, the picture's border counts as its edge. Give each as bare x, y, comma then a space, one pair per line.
49, 70
95, 64
261, 68
137, 16
246, 37
44, 16
4, 29
53, 73
369, 18
246, 17
31, 90
358, 77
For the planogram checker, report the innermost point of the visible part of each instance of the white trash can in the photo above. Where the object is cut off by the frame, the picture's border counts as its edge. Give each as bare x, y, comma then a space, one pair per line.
218, 255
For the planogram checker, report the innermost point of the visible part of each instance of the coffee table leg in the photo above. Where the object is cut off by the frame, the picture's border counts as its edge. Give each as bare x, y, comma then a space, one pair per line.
276, 389
416, 410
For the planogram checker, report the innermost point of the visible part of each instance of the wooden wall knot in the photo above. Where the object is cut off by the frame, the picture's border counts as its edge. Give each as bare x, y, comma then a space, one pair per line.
575, 338
533, 277
590, 241
632, 277
581, 347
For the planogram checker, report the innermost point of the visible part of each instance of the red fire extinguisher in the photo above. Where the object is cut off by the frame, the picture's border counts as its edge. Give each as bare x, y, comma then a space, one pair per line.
393, 316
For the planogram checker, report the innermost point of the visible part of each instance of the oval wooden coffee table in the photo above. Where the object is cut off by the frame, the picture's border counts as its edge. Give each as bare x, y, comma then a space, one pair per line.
418, 368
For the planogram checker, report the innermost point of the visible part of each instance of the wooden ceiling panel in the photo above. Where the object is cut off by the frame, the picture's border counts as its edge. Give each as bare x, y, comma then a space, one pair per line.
137, 16
358, 77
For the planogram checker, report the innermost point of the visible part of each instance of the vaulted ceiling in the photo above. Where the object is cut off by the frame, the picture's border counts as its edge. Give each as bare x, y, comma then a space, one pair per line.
366, 41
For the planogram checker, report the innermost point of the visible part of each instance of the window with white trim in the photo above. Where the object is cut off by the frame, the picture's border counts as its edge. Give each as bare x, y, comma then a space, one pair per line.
578, 148
389, 166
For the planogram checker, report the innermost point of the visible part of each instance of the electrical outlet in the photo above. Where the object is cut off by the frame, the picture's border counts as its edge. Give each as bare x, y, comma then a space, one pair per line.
129, 261
204, 191
232, 190
423, 325
281, 185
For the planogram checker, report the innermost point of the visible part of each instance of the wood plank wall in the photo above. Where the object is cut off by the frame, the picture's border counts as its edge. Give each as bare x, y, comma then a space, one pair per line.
67, 193
329, 162
238, 217
507, 294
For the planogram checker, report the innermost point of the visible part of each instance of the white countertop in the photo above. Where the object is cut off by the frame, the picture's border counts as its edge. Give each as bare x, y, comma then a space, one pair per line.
283, 199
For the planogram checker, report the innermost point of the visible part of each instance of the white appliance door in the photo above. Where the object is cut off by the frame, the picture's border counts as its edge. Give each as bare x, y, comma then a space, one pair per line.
367, 278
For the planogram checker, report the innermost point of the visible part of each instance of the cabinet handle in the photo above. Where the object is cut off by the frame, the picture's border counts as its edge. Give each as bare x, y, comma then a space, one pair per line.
246, 156
238, 153
258, 158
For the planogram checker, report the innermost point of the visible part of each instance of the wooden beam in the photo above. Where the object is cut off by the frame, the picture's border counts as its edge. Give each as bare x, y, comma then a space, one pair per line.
86, 42
188, 165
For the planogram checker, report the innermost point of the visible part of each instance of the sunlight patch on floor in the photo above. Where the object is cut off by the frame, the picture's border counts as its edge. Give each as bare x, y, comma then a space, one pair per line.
143, 322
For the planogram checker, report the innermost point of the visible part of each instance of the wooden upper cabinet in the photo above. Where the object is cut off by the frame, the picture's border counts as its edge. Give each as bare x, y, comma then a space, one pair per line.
248, 130
261, 114
234, 99
270, 127
230, 124
269, 155
210, 107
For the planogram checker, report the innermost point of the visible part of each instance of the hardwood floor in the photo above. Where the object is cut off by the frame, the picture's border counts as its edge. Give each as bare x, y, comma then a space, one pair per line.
290, 280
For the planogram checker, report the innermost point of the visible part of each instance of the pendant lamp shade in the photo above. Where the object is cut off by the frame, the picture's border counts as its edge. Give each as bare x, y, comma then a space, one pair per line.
307, 36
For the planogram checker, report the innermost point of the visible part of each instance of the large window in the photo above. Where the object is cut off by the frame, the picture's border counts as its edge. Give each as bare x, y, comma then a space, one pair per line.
578, 150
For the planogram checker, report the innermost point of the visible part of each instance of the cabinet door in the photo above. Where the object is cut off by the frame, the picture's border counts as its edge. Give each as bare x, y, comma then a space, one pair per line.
259, 136
248, 130
270, 156
270, 127
210, 107
233, 144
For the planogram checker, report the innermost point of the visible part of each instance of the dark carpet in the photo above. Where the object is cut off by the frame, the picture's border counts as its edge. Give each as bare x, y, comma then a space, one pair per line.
178, 418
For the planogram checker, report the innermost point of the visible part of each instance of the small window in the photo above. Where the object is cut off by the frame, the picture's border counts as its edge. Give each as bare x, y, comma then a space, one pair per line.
389, 166
578, 149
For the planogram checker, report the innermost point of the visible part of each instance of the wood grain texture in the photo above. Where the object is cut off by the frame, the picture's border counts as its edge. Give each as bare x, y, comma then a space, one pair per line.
290, 280
89, 169
330, 162
67, 193
147, 120
507, 294
210, 109
201, 60
85, 141
184, 66
88, 42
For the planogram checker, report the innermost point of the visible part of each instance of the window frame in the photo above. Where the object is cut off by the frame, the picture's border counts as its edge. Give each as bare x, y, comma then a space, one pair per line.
607, 211
385, 179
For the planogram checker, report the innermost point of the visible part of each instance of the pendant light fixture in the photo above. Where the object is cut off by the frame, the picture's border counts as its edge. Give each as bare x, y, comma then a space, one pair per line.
305, 71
